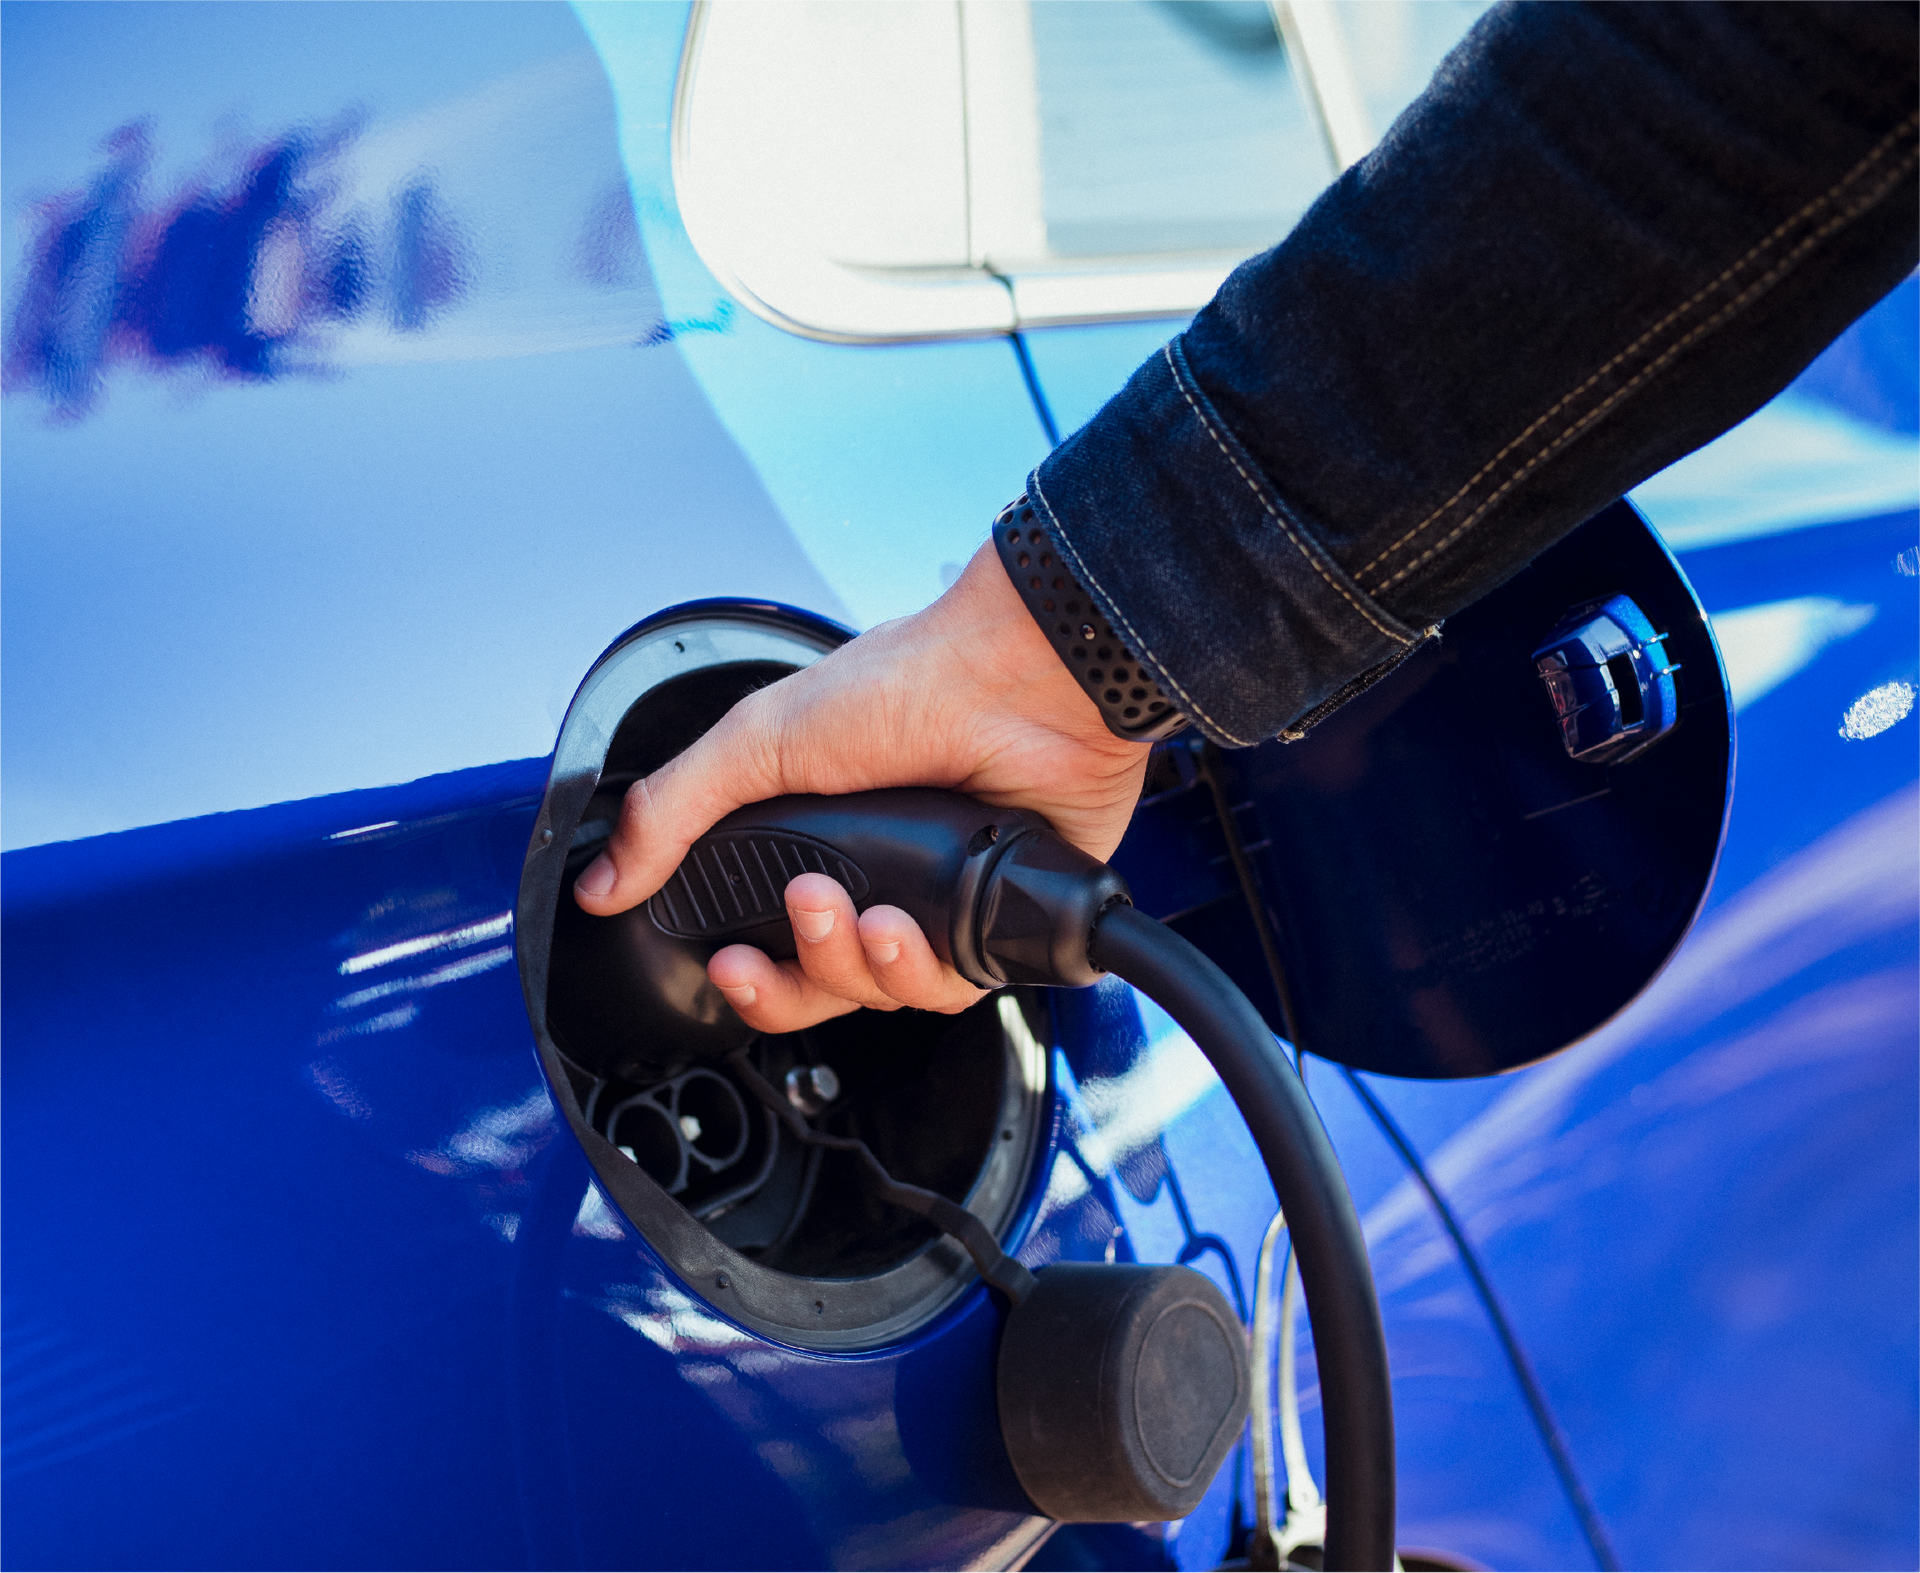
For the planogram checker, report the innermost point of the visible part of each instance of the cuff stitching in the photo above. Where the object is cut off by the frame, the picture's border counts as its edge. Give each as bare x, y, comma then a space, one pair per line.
1652, 334
1253, 485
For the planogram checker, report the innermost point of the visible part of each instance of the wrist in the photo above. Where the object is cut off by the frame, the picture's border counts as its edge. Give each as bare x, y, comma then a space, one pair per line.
998, 667
1078, 632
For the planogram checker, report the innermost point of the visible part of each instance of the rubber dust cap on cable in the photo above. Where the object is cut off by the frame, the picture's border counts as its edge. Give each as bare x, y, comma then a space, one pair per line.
1122, 1389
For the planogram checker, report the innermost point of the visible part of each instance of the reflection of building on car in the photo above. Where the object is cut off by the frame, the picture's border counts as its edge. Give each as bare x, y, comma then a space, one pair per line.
346, 432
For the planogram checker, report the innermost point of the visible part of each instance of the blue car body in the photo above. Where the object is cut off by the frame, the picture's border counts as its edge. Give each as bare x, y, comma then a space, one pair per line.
304, 1265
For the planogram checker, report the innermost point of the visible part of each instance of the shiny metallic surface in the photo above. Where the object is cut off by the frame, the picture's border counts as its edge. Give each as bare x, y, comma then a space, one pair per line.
362, 387
1606, 672
810, 1088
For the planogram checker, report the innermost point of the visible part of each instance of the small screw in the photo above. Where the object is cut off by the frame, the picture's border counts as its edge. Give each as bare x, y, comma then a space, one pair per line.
1086, 630
723, 1282
546, 838
810, 1088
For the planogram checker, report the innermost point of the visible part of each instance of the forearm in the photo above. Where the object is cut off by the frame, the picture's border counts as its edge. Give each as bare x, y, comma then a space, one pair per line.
1603, 236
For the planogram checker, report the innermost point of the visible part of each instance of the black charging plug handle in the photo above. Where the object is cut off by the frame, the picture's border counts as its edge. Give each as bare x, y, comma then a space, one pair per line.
1003, 899
1000, 897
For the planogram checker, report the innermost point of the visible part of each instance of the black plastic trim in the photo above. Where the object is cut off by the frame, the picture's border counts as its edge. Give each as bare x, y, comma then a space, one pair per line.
817, 1313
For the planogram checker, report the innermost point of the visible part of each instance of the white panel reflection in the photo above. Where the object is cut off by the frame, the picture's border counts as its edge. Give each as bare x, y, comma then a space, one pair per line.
504, 1138
386, 1021
453, 972
1130, 1111
1795, 463
596, 1220
450, 939
1765, 645
1114, 1117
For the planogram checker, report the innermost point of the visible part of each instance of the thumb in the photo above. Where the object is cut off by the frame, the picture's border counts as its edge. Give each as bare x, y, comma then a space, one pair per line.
665, 813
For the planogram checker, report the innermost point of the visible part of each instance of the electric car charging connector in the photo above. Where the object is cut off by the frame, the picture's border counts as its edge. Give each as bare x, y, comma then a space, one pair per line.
1122, 1388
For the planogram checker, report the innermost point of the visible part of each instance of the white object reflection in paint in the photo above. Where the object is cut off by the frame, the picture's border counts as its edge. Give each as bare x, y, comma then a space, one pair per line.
1765, 645
1796, 462
450, 939
1876, 710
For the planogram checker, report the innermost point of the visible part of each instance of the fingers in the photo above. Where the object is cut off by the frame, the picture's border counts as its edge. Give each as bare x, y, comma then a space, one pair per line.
965, 694
772, 996
827, 934
880, 960
903, 965
664, 814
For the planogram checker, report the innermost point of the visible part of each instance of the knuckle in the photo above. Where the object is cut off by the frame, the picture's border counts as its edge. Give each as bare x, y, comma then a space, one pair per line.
634, 808
831, 968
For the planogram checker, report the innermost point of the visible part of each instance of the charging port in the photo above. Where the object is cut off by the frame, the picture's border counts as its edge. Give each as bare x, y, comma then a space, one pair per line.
805, 1249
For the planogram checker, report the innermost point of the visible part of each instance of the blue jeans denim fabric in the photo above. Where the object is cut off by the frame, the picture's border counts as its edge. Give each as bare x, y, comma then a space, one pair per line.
1603, 235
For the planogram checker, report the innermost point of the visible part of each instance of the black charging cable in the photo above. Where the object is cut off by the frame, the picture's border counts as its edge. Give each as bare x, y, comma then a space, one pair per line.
1349, 1343
1005, 900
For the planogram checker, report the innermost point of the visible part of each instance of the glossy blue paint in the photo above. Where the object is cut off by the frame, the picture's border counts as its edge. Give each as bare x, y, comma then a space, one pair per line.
332, 1284
391, 543
1785, 1273
301, 1266
1872, 371
1767, 1080
1476, 1478
298, 1237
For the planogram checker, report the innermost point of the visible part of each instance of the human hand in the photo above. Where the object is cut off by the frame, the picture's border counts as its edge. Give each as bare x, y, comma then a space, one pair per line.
967, 694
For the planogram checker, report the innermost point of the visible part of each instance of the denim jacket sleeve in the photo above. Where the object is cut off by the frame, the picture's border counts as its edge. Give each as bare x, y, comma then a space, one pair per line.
1603, 235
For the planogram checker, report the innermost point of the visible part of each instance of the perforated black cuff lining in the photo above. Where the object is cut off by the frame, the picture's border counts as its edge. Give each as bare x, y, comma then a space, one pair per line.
1130, 701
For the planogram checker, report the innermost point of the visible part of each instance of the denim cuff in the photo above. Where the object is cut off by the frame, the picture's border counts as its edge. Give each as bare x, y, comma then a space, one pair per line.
1233, 605
1603, 235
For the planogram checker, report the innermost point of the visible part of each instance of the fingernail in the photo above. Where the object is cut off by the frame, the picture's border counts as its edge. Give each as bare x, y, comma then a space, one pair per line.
741, 995
886, 952
598, 879
814, 926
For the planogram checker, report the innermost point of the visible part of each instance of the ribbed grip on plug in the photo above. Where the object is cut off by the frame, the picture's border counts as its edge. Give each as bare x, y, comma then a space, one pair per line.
733, 881
1130, 701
